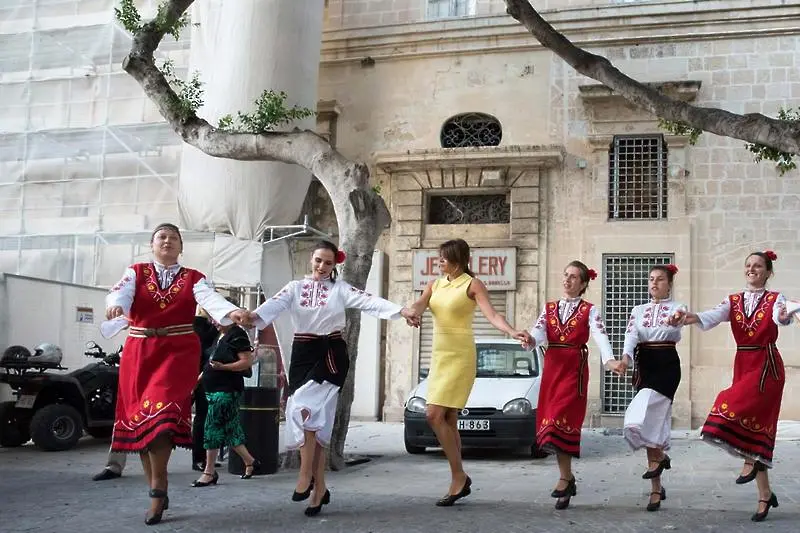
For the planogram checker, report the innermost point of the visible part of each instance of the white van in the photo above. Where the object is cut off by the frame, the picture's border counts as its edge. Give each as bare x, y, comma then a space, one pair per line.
501, 409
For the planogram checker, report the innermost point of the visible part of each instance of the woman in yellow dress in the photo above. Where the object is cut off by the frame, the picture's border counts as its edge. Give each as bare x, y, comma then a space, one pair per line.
452, 299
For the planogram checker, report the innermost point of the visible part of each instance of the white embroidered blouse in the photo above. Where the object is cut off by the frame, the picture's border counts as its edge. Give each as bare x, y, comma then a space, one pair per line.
123, 292
566, 307
721, 313
648, 323
318, 307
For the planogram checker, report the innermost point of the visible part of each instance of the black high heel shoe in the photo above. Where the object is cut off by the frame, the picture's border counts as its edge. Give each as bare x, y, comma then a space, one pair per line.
214, 479
155, 518
570, 490
772, 502
450, 499
313, 511
664, 464
655, 506
565, 495
757, 467
252, 467
300, 496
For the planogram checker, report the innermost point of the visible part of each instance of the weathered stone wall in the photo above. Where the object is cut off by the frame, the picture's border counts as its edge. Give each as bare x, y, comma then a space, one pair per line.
721, 204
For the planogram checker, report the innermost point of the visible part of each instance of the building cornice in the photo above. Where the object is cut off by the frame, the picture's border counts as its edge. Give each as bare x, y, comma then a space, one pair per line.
480, 157
613, 25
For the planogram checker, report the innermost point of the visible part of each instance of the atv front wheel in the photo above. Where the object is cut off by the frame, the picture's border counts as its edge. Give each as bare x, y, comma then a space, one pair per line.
13, 429
56, 427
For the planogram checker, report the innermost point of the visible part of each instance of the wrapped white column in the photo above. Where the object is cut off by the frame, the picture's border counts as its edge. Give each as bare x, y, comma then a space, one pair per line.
240, 50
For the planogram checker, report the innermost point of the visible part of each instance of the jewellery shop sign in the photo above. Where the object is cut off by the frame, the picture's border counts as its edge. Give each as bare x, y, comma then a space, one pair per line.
495, 267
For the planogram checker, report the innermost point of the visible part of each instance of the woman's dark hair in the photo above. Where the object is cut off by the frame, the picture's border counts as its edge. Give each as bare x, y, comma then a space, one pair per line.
668, 272
768, 257
584, 270
328, 245
457, 251
167, 226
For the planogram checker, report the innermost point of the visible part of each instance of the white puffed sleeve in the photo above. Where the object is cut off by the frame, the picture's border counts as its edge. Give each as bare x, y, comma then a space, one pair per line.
631, 335
598, 330
539, 329
372, 305
122, 293
280, 302
777, 307
213, 302
714, 317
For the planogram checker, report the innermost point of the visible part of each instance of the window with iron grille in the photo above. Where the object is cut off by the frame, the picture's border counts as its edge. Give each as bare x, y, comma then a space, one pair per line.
624, 287
471, 129
438, 9
469, 209
637, 177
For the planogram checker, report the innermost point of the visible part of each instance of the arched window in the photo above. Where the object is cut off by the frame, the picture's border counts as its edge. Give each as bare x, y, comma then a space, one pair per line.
471, 129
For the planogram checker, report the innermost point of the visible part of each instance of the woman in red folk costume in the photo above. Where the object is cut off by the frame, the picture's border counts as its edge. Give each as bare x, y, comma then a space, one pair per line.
565, 327
319, 362
744, 417
162, 354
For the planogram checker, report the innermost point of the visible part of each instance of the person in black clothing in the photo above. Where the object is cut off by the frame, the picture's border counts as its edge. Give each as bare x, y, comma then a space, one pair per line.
223, 381
208, 333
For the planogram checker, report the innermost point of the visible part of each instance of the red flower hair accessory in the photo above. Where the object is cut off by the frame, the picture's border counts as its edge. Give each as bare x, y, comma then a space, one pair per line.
340, 257
672, 269
771, 255
592, 273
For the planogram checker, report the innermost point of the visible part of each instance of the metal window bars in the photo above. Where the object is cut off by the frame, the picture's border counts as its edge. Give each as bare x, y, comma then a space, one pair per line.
637, 178
624, 287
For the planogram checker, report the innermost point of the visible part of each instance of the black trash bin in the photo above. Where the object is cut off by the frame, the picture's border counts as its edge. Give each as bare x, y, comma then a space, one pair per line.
259, 413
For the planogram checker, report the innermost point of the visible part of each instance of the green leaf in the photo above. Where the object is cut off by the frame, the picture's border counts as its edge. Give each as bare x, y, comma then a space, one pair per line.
271, 111
127, 15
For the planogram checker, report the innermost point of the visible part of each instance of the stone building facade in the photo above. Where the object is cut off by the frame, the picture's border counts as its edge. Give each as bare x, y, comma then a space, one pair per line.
586, 175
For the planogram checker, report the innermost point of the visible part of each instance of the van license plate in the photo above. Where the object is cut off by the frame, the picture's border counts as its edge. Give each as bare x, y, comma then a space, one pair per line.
26, 401
473, 425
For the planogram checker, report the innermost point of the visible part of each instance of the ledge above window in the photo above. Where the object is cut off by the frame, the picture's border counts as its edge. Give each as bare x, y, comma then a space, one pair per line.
685, 90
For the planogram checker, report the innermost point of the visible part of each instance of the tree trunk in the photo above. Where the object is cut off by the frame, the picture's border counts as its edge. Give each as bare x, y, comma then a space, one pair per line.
360, 212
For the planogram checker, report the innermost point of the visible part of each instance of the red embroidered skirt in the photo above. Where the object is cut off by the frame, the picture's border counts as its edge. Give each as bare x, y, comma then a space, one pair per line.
744, 417
562, 399
156, 378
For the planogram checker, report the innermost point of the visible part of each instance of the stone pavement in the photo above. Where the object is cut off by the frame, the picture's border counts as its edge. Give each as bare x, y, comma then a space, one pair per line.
395, 492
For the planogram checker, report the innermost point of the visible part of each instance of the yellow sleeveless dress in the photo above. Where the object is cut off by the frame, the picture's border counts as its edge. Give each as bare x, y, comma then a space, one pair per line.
453, 361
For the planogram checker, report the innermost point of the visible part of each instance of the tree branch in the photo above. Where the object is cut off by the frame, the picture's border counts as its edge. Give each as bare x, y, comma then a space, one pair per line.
753, 127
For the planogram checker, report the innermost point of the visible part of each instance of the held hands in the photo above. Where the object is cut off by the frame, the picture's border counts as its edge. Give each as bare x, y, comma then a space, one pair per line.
619, 367
114, 311
216, 365
242, 317
677, 318
411, 316
523, 337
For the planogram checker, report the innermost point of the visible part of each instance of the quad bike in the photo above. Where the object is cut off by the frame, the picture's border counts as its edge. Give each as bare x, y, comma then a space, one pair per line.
54, 408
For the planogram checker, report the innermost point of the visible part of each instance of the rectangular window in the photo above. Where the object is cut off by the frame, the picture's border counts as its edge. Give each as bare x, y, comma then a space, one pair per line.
438, 9
637, 177
469, 209
624, 287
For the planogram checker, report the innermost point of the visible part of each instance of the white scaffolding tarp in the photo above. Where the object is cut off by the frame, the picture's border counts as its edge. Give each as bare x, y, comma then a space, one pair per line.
247, 41
87, 164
